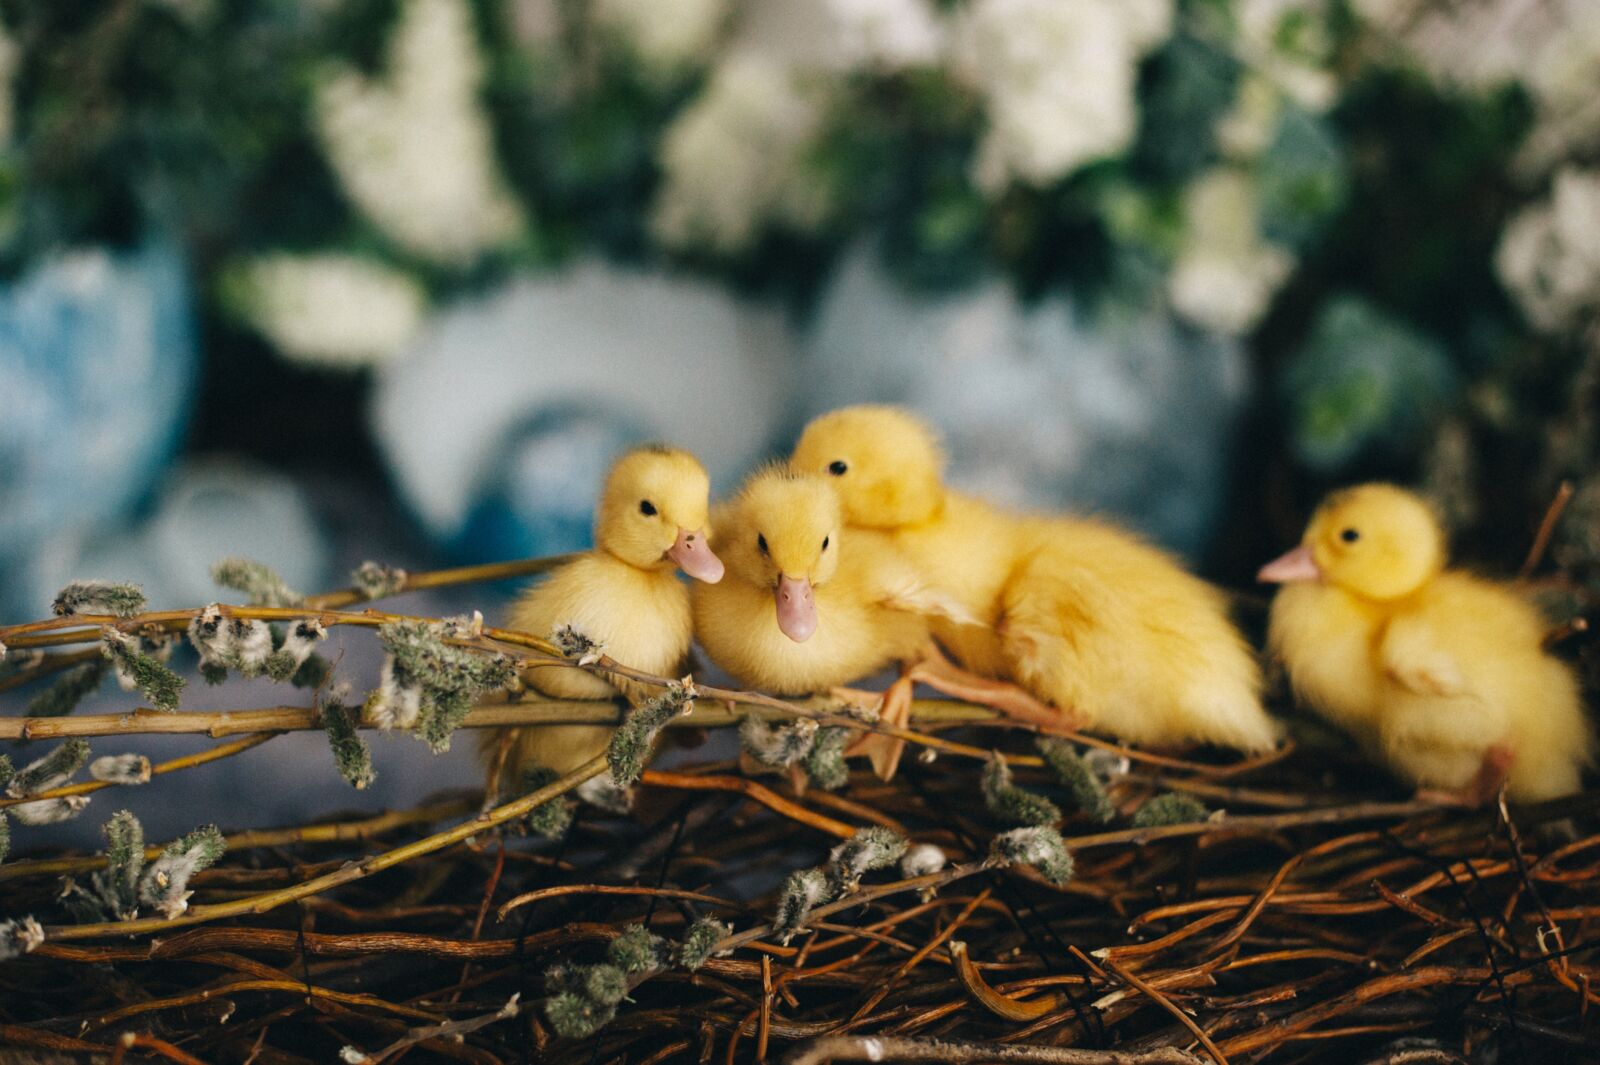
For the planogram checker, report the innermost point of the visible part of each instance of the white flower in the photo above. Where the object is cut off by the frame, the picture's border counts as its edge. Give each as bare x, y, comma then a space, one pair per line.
732, 160
1058, 80
887, 33
1287, 42
1475, 44
1564, 80
413, 150
1147, 22
329, 310
1225, 275
1246, 129
1549, 255
665, 33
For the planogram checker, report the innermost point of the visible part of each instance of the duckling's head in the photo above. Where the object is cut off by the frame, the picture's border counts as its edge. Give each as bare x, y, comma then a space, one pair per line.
652, 512
886, 463
1375, 540
782, 532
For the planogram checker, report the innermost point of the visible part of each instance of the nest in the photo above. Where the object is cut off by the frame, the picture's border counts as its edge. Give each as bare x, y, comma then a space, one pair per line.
1301, 923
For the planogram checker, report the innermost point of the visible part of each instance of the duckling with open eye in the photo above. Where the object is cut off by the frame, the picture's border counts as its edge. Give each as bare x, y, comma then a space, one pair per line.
809, 606
652, 520
1106, 631
1439, 673
801, 611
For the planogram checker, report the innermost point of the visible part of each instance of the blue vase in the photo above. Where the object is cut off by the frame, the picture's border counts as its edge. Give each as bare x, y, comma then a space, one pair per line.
97, 373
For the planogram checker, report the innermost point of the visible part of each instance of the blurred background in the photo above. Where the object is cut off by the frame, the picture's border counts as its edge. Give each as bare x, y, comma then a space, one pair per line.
317, 282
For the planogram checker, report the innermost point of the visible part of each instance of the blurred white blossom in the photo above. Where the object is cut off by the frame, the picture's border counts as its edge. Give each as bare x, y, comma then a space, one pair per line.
331, 310
413, 149
1058, 80
1246, 128
1549, 255
665, 33
1287, 43
734, 157
1474, 44
1564, 81
887, 33
1226, 274
1147, 22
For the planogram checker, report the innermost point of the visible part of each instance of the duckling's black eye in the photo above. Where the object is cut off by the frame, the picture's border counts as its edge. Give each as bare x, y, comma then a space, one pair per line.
761, 542
647, 508
1350, 536
825, 543
837, 467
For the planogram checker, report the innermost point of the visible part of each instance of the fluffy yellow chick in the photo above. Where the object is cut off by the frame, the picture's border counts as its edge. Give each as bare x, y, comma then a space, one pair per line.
1440, 673
807, 608
801, 611
1112, 633
624, 594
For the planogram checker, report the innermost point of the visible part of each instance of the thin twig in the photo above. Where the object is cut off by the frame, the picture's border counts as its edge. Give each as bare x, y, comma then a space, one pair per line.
899, 1048
188, 761
1547, 528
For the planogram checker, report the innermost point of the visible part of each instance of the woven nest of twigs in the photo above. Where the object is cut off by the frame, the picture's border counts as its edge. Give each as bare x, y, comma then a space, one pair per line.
1293, 907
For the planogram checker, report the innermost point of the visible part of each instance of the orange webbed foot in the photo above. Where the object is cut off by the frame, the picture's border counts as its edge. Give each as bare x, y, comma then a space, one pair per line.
1015, 702
1485, 784
893, 707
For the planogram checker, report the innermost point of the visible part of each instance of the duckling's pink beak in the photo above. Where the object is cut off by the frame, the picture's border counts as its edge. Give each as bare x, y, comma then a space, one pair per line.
1297, 565
692, 553
797, 610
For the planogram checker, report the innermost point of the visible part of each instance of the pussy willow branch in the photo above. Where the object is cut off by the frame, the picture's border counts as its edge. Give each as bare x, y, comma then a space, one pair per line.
356, 871
416, 582
74, 629
532, 711
188, 761
331, 832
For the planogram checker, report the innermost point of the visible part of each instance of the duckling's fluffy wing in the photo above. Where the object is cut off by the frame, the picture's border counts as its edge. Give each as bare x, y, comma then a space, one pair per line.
895, 582
1414, 657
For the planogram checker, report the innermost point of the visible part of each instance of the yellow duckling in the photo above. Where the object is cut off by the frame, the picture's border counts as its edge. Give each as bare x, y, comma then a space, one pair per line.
807, 608
1440, 673
624, 594
1107, 630
801, 611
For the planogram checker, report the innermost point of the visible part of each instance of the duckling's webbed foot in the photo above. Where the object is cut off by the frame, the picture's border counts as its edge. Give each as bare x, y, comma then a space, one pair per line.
1015, 702
1485, 784
893, 707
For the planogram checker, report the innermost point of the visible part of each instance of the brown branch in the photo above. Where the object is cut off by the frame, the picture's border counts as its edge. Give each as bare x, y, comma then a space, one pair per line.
445, 1030
1167, 1004
1547, 528
901, 1048
751, 790
1000, 1005
296, 987
1271, 1035
201, 941
611, 889
128, 1040
415, 582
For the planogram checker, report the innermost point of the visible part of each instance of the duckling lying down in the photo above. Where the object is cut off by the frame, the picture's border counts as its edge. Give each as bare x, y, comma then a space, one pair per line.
1107, 632
1439, 673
